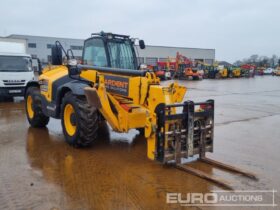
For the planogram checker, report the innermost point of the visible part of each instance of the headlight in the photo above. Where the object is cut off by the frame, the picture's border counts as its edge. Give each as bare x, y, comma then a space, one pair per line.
44, 85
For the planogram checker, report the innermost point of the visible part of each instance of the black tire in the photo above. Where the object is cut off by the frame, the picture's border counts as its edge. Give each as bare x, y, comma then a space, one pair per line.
86, 121
39, 119
141, 131
218, 76
6, 98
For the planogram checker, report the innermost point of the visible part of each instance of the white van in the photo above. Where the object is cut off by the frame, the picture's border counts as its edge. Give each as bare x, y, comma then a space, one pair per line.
15, 67
15, 71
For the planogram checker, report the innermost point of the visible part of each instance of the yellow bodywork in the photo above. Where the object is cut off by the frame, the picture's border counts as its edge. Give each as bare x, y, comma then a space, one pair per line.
236, 72
224, 73
277, 73
145, 94
124, 112
51, 74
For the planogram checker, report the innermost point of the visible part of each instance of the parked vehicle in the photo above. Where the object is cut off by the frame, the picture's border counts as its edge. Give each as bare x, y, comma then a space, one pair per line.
233, 72
248, 70
185, 68
276, 71
163, 70
15, 67
83, 96
268, 71
215, 72
260, 71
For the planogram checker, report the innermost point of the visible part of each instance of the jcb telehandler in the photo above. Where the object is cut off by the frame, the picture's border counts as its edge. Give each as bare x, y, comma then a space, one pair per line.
108, 86
233, 72
215, 72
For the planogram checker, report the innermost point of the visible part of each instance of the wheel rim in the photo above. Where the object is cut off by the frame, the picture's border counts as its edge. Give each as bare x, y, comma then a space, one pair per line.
69, 120
30, 111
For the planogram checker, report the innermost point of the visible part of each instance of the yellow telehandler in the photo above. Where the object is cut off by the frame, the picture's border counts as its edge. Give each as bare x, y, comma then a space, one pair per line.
108, 86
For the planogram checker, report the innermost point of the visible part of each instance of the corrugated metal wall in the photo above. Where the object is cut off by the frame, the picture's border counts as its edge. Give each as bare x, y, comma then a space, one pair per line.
150, 55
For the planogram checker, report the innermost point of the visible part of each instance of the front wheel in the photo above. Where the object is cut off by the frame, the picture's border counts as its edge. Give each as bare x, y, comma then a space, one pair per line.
79, 121
33, 107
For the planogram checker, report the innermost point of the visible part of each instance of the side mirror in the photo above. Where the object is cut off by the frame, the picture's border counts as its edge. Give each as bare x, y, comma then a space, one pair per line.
56, 55
142, 44
39, 66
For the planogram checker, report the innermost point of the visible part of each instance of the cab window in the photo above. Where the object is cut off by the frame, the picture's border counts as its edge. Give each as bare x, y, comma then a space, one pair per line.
121, 54
94, 53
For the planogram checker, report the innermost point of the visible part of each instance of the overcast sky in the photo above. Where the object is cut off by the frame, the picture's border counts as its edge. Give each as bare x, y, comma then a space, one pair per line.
235, 28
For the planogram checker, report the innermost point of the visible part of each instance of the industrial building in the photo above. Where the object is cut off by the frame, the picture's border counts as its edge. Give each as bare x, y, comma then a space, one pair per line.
40, 47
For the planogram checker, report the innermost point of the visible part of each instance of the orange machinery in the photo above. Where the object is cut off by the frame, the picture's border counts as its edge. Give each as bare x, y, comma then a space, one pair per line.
184, 68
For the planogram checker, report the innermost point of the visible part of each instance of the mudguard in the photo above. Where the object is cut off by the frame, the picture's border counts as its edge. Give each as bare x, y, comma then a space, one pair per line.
76, 87
32, 83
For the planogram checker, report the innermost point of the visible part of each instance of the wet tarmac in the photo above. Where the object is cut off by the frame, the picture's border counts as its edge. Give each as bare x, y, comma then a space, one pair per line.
38, 170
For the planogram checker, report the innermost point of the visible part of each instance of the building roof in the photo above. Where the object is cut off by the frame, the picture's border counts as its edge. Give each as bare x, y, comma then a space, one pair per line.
194, 48
157, 46
51, 37
225, 63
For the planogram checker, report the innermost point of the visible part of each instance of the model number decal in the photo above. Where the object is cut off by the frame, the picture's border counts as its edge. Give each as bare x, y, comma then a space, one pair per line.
118, 85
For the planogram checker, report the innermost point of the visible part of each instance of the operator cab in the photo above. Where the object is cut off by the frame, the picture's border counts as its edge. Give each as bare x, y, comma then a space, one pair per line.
111, 50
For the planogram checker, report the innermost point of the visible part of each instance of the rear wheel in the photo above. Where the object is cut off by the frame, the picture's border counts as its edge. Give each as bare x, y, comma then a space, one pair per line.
218, 76
33, 107
205, 75
79, 121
